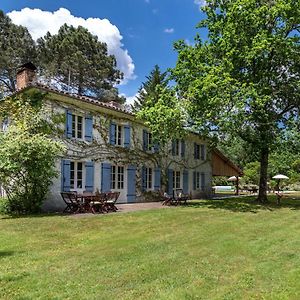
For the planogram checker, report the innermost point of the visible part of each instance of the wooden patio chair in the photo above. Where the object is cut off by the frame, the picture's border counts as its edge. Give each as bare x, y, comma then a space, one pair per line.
71, 200
111, 199
180, 197
98, 205
167, 199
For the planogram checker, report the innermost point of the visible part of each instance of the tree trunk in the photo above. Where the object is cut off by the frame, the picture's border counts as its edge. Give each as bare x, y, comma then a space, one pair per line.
263, 185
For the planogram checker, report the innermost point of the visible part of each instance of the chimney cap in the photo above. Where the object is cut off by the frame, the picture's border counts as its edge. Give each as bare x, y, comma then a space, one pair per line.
27, 66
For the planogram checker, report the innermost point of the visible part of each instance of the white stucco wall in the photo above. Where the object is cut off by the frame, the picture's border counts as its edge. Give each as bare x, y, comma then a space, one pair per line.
100, 152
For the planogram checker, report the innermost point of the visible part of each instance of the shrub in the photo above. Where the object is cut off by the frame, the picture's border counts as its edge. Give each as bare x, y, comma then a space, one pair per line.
27, 167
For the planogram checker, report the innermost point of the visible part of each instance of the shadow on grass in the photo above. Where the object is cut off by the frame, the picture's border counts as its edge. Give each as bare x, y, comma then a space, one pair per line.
246, 204
7, 253
37, 215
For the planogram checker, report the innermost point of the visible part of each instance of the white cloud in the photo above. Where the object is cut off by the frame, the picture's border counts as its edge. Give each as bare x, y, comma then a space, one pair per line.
169, 30
39, 22
200, 2
130, 99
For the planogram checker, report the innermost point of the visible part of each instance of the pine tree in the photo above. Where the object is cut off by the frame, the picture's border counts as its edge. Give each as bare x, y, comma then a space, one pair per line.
77, 60
148, 89
17, 47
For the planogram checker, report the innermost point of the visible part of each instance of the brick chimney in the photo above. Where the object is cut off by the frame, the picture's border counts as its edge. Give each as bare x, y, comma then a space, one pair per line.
26, 74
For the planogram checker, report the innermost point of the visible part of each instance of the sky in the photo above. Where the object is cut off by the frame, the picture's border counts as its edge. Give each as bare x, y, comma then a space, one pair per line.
140, 33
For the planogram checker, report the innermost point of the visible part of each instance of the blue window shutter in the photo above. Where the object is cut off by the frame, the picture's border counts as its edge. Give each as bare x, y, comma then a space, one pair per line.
202, 181
89, 176
157, 179
65, 175
127, 136
182, 148
131, 184
105, 177
173, 147
144, 179
185, 181
88, 134
112, 133
156, 147
145, 140
68, 128
202, 152
170, 182
194, 180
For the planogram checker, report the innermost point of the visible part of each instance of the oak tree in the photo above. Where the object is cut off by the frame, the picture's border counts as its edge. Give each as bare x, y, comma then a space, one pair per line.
245, 77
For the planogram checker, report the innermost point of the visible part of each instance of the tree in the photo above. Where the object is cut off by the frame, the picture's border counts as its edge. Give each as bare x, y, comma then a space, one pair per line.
79, 61
245, 78
162, 114
17, 47
148, 88
27, 153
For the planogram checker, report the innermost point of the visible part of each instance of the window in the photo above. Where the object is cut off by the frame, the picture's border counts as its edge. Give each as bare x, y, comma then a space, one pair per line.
77, 126
119, 135
76, 175
197, 180
176, 180
202, 152
5, 125
148, 178
202, 181
176, 147
117, 177
196, 151
149, 141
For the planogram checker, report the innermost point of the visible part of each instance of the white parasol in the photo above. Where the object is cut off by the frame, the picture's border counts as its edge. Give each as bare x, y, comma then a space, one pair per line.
280, 176
233, 178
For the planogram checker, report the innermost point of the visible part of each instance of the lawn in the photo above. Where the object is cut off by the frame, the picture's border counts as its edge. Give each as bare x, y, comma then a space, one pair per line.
221, 249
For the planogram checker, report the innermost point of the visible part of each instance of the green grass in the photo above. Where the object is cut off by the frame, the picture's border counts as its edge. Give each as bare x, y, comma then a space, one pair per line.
222, 249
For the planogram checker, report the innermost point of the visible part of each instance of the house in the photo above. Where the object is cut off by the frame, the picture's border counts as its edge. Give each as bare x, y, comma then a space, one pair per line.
109, 149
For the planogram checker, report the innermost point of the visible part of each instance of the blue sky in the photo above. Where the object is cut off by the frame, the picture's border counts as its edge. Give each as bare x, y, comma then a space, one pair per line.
148, 27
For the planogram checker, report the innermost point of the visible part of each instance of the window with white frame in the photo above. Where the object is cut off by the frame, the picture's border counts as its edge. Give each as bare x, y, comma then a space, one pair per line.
117, 177
197, 180
202, 151
202, 181
5, 125
149, 141
76, 175
149, 178
176, 180
119, 135
77, 126
196, 151
176, 147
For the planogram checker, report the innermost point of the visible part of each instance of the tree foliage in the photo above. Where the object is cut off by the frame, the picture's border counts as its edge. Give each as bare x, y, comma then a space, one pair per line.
27, 153
16, 47
148, 90
245, 78
163, 115
77, 59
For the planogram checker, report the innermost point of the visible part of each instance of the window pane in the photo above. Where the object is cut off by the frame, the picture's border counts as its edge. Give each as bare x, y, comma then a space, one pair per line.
119, 135
113, 177
73, 126
79, 127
